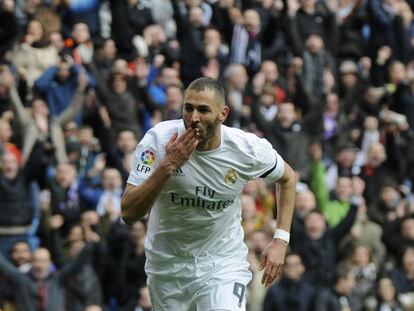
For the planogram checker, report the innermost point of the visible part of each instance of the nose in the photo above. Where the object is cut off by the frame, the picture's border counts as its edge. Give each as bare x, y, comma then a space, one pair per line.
195, 116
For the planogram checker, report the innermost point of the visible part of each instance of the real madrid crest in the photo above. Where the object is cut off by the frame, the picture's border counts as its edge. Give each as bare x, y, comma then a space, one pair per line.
230, 177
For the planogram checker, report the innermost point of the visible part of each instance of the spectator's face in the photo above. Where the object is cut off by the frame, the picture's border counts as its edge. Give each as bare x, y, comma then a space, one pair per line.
85, 136
386, 290
389, 196
75, 248
408, 261
75, 234
286, 115
10, 166
196, 16
343, 188
154, 35
349, 79
119, 84
346, 158
251, 21
314, 43
267, 100
407, 229
65, 175
372, 96
63, 73
269, 69
35, 29
57, 40
315, 225
126, 141
239, 79
347, 283
170, 76
5, 132
120, 66
376, 155
212, 37
332, 104
39, 108
41, 263
259, 241
294, 267
21, 254
80, 33
111, 179
305, 202
361, 256
70, 130
397, 73
109, 50
174, 98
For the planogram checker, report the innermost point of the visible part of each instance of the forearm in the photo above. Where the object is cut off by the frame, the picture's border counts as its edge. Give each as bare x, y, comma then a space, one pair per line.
22, 115
287, 190
137, 201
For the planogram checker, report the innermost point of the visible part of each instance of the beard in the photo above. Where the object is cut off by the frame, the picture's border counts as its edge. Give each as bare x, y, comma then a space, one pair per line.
205, 133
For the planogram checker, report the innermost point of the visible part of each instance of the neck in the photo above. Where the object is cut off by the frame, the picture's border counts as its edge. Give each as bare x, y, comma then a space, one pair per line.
211, 143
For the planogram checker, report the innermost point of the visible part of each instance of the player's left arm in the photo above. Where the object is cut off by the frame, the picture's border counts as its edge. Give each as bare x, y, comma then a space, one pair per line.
273, 256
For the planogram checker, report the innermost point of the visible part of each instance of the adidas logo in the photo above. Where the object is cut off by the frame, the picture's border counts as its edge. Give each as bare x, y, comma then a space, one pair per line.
178, 172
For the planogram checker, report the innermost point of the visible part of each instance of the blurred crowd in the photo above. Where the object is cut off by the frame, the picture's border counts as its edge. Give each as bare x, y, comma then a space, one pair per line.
330, 83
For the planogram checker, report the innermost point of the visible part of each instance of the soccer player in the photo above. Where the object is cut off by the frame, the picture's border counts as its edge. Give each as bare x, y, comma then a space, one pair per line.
190, 174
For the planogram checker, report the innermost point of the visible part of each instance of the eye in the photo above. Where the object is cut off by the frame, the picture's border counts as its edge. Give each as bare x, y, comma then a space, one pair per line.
188, 108
203, 110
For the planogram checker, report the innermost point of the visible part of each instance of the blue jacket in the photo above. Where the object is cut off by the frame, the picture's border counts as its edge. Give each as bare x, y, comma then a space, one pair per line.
59, 95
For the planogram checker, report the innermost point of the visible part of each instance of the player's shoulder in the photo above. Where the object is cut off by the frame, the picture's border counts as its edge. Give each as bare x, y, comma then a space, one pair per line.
165, 129
241, 140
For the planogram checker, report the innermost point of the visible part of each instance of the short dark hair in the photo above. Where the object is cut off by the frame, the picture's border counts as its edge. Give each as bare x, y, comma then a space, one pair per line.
203, 83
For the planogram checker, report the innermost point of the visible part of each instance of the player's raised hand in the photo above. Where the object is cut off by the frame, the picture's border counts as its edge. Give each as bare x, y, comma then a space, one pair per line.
273, 260
178, 150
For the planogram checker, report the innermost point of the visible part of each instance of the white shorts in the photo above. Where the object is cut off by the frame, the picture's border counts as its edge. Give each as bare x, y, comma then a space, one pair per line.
210, 285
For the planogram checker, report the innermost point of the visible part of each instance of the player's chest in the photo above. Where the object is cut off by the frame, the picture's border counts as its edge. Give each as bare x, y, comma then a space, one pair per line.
208, 178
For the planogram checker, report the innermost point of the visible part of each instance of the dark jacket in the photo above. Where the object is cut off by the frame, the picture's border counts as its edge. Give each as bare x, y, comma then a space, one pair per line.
329, 300
15, 195
289, 295
27, 289
319, 256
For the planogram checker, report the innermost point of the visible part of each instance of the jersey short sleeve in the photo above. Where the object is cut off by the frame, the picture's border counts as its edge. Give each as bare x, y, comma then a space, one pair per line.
146, 159
268, 164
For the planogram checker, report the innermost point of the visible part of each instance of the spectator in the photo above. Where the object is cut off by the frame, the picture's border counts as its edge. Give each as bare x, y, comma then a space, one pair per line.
291, 292
44, 286
339, 296
316, 244
34, 54
17, 210
403, 276
334, 207
386, 297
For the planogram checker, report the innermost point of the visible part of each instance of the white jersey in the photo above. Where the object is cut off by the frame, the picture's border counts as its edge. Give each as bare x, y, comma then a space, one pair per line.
198, 213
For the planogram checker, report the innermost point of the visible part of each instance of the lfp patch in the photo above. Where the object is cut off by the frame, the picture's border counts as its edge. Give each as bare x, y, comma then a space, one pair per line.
148, 157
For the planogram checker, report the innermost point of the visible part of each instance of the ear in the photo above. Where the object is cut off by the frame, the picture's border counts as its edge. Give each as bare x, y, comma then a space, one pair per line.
223, 114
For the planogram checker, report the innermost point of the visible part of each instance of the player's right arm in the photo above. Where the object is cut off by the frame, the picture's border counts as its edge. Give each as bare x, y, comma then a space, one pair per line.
138, 200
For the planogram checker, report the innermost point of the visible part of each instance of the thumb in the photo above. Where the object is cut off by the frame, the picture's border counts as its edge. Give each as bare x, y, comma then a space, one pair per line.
263, 261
